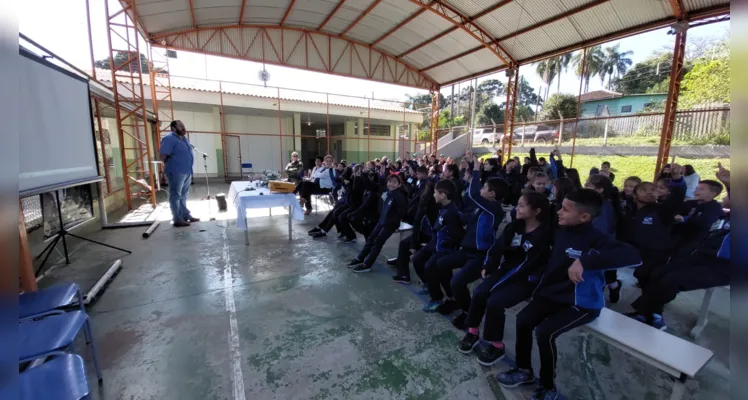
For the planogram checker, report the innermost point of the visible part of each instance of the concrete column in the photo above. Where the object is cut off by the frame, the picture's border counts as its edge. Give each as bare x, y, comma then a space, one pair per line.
297, 131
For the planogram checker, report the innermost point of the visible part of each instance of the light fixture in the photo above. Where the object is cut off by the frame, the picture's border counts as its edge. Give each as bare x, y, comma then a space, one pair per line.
308, 121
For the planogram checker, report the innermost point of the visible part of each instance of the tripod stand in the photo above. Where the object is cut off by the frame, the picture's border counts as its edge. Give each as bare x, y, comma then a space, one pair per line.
207, 185
61, 237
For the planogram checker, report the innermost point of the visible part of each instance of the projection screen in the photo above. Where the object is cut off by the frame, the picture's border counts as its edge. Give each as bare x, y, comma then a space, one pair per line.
56, 143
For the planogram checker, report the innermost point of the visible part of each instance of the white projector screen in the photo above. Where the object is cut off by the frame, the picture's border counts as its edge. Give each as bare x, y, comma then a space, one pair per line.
56, 144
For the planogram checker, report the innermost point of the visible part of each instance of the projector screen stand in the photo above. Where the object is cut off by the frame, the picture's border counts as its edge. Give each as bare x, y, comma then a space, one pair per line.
61, 237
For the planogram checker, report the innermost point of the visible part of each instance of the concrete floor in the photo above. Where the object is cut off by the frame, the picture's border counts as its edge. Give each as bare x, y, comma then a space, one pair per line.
196, 314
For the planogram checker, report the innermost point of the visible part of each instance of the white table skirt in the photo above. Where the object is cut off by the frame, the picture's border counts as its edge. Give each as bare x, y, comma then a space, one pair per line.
260, 198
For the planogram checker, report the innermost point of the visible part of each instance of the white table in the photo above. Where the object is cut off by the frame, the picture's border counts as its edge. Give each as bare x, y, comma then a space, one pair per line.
261, 198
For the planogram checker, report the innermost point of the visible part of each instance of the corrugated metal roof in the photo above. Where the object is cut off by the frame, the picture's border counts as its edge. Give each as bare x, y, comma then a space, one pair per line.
529, 29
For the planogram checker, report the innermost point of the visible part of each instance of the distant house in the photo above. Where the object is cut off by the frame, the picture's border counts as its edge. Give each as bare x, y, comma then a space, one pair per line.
601, 103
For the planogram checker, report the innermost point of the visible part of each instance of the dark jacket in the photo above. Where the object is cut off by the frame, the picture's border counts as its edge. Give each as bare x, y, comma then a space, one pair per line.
516, 182
697, 221
424, 221
517, 256
607, 221
649, 228
597, 252
354, 192
483, 223
716, 244
447, 230
392, 209
417, 188
294, 169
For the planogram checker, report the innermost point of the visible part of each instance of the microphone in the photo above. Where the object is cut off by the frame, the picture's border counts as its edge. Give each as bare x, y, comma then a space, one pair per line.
195, 148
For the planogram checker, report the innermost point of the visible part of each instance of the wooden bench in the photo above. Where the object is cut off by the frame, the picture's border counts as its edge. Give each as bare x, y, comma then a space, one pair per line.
704, 312
681, 359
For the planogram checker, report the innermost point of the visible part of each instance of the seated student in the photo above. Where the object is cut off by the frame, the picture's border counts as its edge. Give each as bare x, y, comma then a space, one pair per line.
512, 175
541, 182
480, 234
649, 228
417, 186
695, 217
391, 211
467, 205
569, 293
319, 162
705, 265
452, 172
544, 165
490, 169
627, 195
422, 227
511, 272
605, 171
362, 219
322, 182
341, 205
607, 222
446, 234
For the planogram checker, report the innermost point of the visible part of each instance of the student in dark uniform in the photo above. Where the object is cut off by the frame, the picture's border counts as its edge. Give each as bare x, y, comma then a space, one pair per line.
511, 272
570, 291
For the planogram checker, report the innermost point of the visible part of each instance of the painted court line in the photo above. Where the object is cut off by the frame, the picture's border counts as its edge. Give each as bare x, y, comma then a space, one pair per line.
237, 378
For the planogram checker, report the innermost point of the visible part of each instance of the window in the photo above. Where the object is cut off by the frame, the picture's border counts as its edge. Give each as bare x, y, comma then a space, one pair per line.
321, 133
626, 109
378, 130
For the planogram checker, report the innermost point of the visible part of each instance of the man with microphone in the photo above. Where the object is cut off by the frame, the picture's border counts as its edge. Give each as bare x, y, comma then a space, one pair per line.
176, 153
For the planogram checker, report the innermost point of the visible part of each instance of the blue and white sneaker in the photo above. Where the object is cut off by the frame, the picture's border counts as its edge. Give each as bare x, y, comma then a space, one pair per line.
637, 316
658, 322
431, 306
515, 377
423, 291
542, 393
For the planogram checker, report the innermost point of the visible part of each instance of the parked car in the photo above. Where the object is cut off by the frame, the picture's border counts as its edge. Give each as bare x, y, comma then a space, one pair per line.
541, 134
484, 136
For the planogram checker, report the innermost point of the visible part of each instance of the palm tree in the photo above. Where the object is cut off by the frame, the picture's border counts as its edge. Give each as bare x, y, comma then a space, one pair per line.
616, 62
562, 65
595, 62
547, 70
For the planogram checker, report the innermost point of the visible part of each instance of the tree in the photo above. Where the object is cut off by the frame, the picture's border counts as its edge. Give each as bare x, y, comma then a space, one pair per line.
491, 113
595, 63
120, 58
527, 95
615, 62
565, 103
707, 82
547, 70
644, 75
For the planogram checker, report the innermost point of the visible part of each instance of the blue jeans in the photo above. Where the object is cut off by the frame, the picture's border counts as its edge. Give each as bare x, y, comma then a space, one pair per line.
179, 189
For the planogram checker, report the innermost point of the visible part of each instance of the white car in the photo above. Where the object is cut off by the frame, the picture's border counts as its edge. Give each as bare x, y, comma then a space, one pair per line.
483, 136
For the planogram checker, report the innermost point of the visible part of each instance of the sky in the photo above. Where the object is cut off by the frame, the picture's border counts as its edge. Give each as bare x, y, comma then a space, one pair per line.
61, 27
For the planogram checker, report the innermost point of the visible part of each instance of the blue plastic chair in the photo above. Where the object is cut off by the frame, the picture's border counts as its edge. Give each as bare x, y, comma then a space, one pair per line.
246, 166
52, 334
49, 300
61, 378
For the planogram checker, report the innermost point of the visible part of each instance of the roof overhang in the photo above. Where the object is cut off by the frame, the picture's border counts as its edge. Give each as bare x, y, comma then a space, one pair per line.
418, 43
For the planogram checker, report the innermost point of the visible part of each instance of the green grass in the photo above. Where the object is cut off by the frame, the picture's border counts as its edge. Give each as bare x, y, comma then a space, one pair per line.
625, 141
625, 166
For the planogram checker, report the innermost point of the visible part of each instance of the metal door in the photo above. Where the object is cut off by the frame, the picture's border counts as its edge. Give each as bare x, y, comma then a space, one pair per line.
233, 157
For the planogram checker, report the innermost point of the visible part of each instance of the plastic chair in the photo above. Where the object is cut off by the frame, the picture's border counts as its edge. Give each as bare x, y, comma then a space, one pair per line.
61, 378
52, 334
49, 300
246, 166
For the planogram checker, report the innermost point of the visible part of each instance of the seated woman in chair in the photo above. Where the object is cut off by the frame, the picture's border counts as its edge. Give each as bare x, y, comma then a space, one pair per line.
322, 182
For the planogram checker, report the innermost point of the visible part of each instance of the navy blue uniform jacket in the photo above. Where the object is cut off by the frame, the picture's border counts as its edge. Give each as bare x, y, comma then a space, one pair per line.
447, 229
649, 228
392, 208
517, 256
597, 252
483, 222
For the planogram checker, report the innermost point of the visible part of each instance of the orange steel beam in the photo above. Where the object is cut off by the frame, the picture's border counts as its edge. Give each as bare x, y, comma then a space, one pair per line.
288, 11
511, 106
710, 12
360, 17
171, 40
461, 21
521, 31
671, 104
679, 11
329, 16
241, 12
454, 28
398, 26
434, 116
192, 13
